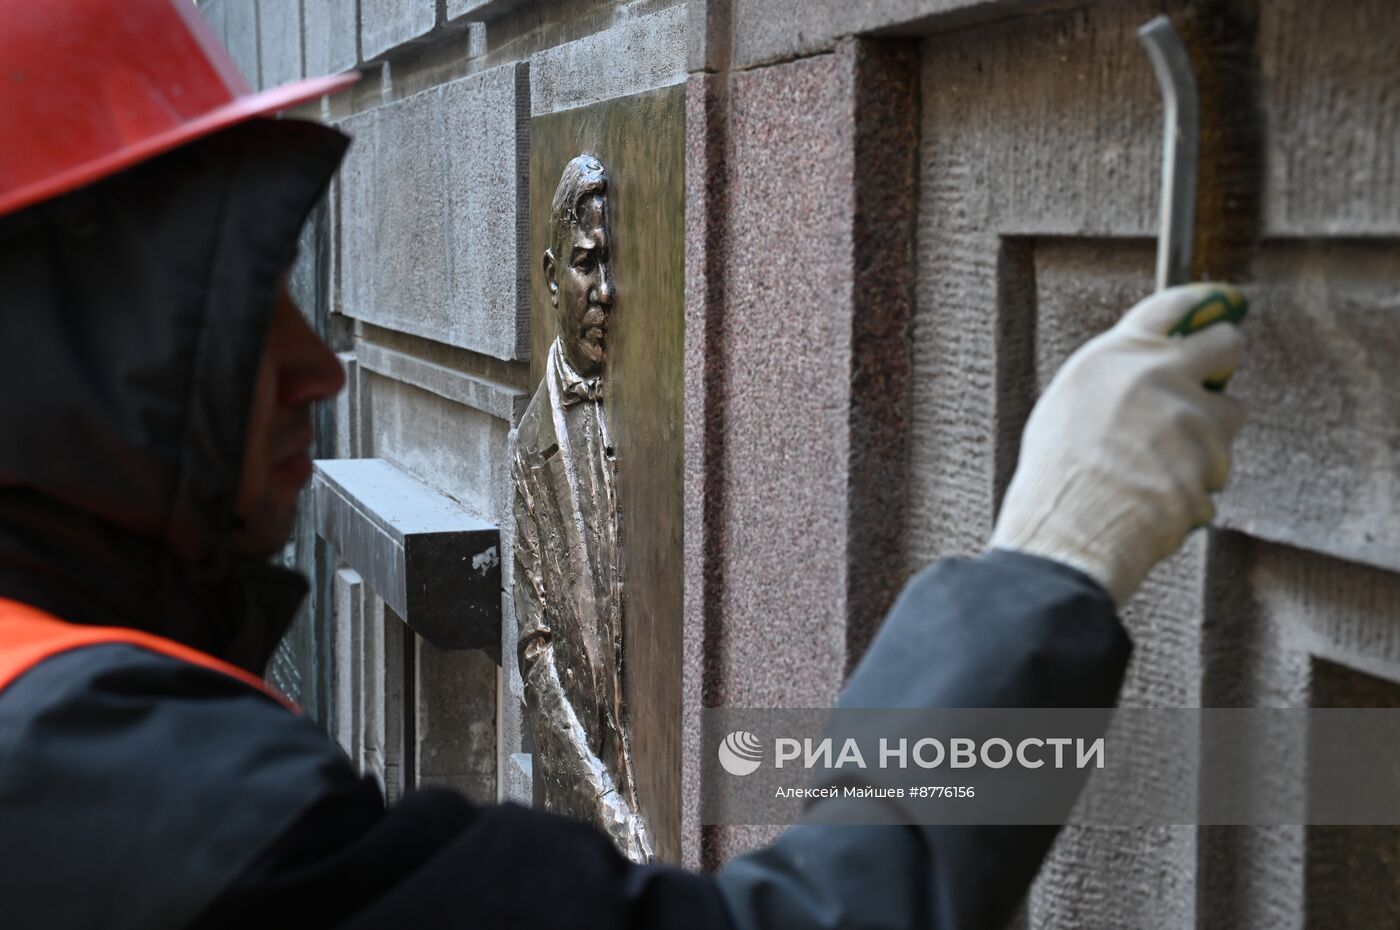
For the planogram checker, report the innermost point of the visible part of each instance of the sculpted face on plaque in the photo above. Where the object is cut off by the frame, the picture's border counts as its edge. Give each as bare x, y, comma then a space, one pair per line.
568, 557
579, 276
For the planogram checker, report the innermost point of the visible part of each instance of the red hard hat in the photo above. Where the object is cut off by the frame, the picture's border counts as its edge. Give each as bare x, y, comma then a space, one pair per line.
89, 87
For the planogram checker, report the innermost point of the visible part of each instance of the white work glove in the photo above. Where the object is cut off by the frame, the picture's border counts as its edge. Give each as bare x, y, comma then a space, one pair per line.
1123, 450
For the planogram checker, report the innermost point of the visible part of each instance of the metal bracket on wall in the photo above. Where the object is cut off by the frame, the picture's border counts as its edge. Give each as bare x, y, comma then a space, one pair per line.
433, 563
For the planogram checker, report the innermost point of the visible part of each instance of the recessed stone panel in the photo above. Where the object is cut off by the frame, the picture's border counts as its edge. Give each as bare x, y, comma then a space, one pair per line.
429, 233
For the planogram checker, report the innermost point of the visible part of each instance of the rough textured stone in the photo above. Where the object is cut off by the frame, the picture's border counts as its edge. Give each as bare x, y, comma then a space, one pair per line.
1289, 629
637, 55
986, 93
706, 181
787, 407
1040, 146
1318, 463
429, 232
235, 24
388, 24
1350, 870
1333, 150
332, 37
279, 42
515, 779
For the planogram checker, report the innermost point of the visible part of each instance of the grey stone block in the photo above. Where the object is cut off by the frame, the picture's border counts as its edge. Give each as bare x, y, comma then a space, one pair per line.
387, 24
241, 37
429, 199
455, 727
639, 54
437, 566
279, 41
332, 38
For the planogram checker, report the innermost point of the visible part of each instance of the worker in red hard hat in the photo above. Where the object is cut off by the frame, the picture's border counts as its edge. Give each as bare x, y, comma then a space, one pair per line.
155, 406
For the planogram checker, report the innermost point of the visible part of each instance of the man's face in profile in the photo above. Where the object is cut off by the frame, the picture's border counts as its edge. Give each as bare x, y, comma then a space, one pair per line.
582, 287
297, 370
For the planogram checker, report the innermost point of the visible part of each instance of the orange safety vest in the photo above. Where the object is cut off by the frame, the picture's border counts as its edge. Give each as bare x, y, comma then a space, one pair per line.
28, 636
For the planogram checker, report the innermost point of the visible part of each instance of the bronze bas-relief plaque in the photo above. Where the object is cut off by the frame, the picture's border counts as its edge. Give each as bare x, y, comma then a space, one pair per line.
597, 464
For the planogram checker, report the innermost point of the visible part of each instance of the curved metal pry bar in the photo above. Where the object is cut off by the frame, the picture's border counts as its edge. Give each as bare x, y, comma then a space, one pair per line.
1180, 149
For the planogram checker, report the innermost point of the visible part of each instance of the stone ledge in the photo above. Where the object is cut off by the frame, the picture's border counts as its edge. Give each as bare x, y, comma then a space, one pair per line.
435, 565
480, 9
499, 400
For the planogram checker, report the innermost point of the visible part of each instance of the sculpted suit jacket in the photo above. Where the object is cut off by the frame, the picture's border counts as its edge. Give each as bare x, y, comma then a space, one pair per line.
568, 598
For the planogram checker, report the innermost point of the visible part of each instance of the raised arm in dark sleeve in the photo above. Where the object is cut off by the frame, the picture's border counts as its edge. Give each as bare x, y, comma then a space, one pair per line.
1003, 630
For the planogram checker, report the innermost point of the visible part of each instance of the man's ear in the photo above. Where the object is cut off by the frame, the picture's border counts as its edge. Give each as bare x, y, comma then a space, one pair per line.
549, 277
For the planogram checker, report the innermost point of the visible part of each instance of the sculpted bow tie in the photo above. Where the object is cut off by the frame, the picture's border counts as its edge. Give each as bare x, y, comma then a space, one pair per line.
590, 389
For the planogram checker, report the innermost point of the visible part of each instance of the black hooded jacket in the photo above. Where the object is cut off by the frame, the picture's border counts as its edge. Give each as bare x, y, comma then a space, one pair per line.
134, 316
138, 790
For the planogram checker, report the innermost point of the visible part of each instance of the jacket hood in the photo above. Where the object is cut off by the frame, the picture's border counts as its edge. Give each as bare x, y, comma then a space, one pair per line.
133, 319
